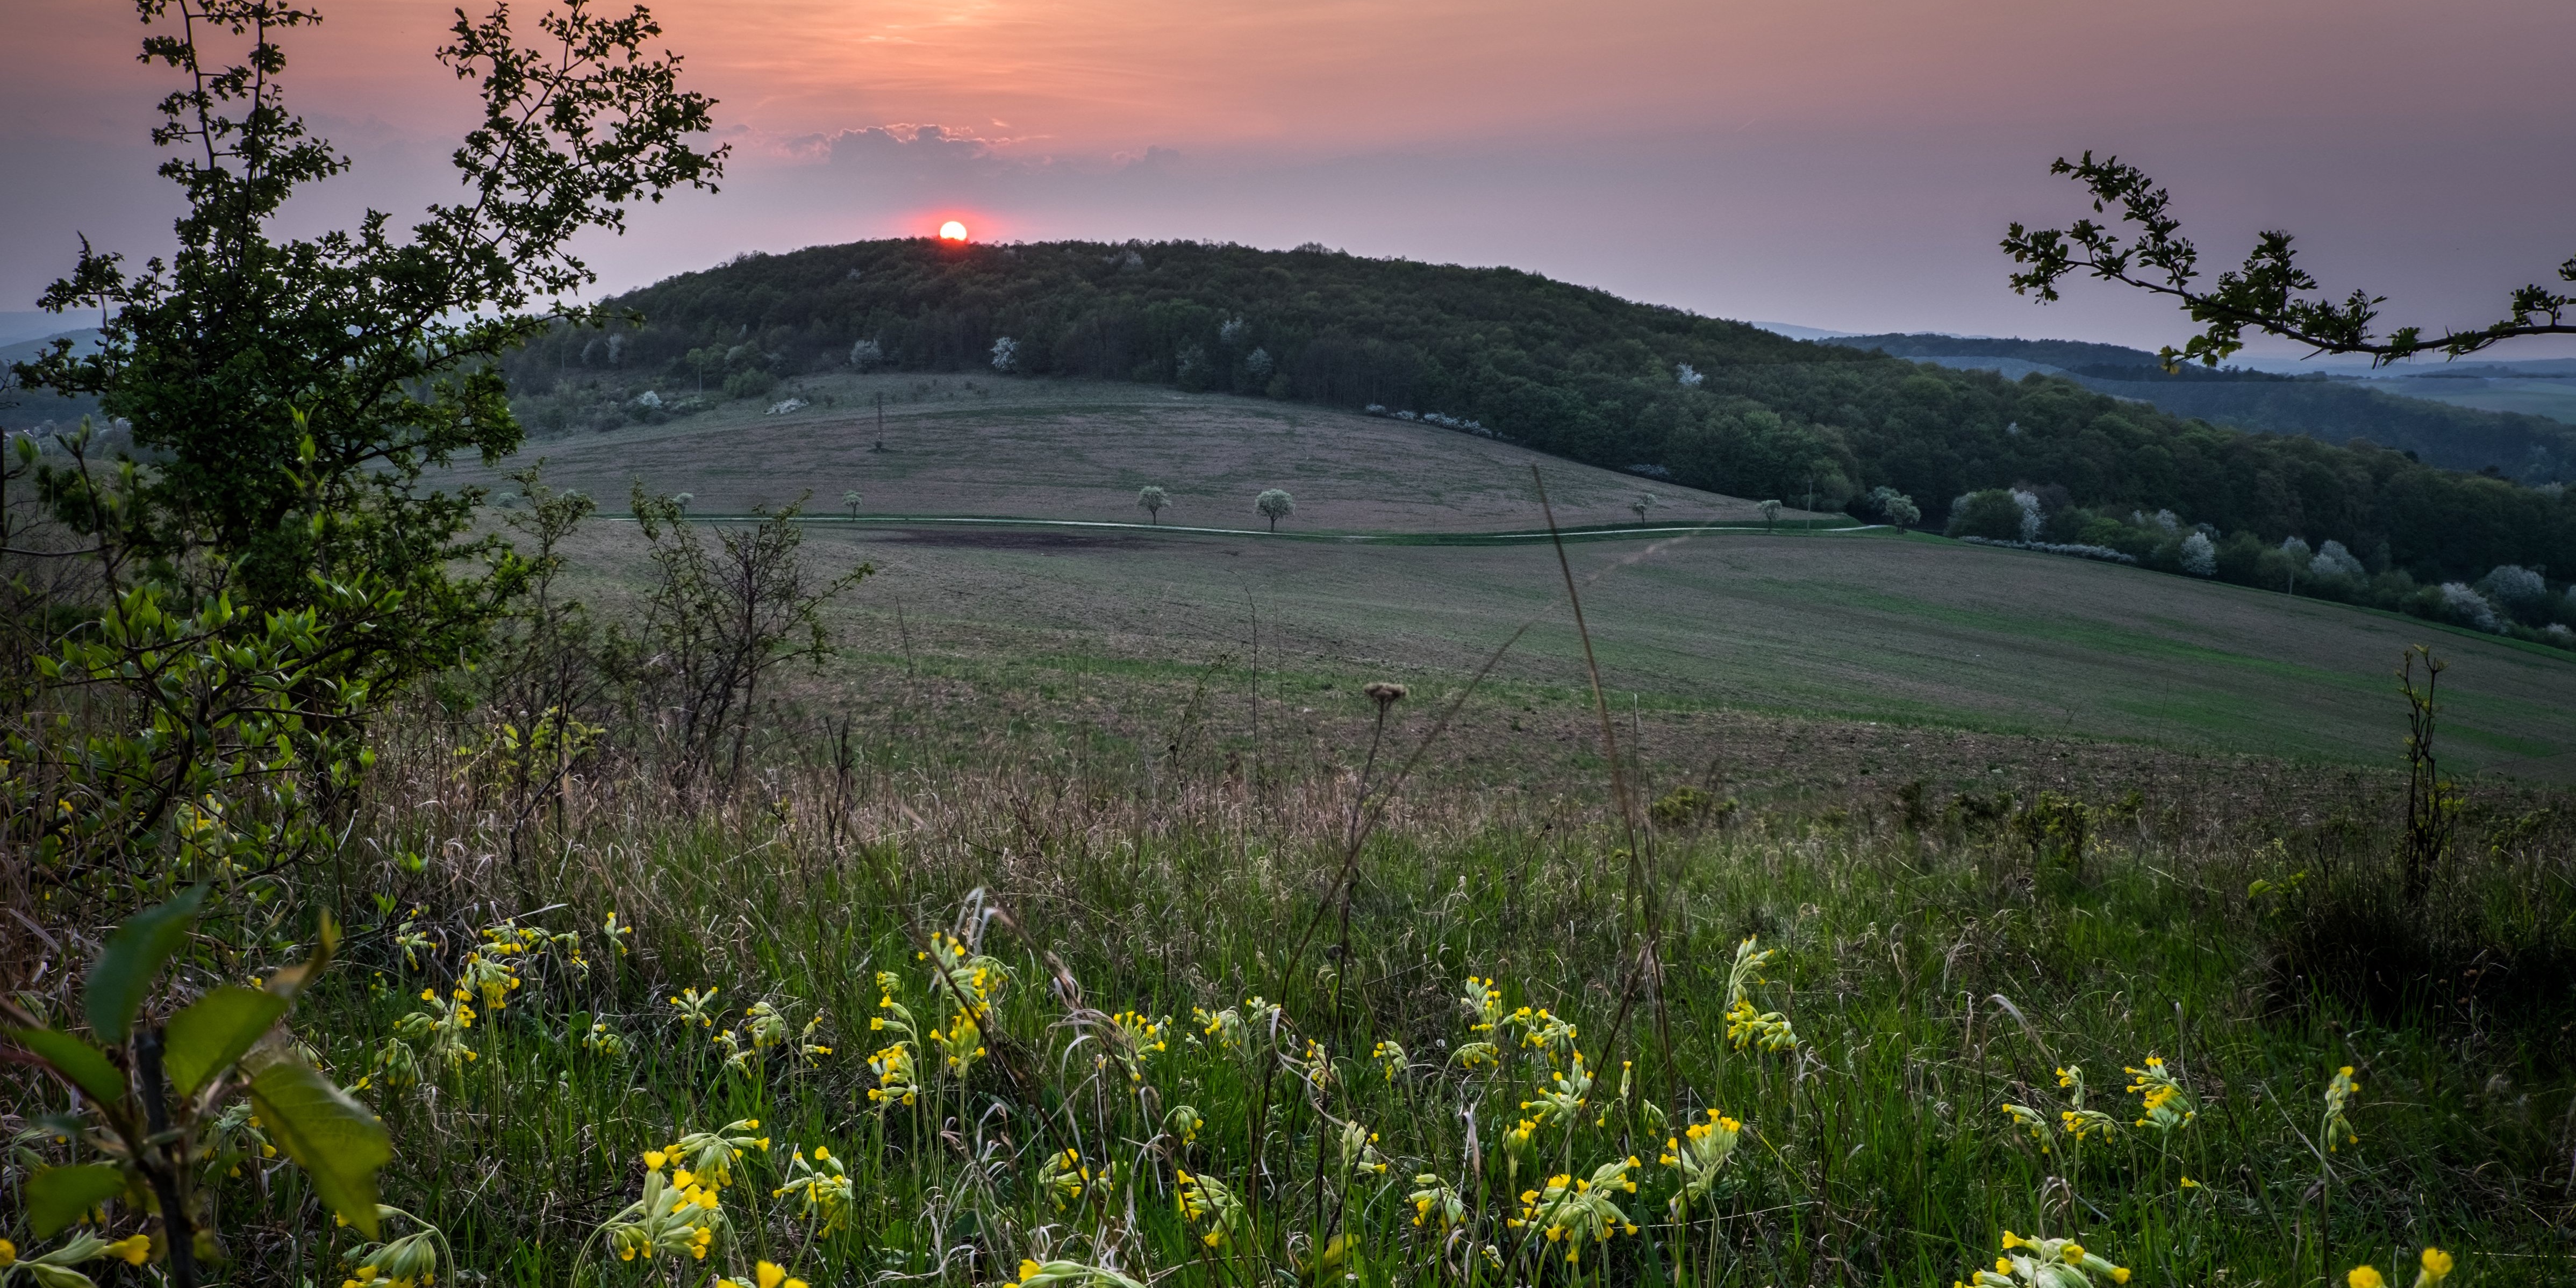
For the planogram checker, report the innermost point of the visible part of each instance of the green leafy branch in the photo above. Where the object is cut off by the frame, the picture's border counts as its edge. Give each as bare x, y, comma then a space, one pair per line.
149, 1095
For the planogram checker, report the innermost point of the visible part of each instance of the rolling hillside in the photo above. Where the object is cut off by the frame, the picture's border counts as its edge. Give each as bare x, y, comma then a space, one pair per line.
1081, 450
1853, 639
1575, 373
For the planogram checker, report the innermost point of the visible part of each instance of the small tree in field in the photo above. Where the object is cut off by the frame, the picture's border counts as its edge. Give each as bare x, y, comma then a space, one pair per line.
1153, 499
1275, 505
1645, 501
1895, 507
851, 499
1770, 514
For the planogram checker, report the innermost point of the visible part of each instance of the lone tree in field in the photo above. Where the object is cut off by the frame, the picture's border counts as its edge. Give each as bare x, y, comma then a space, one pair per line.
1275, 505
2265, 293
1895, 507
1770, 514
1153, 499
682, 500
1645, 501
851, 499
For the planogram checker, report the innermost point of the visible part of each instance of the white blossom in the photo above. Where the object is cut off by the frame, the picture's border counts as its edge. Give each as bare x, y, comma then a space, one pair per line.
2199, 557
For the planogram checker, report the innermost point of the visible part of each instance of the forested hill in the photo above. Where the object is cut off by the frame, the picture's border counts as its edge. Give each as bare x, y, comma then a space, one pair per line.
1564, 369
2530, 449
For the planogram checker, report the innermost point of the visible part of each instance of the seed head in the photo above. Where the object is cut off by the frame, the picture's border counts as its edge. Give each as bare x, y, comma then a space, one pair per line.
1383, 693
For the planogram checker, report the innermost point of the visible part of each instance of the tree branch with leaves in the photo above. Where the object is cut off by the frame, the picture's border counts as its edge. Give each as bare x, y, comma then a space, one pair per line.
2268, 293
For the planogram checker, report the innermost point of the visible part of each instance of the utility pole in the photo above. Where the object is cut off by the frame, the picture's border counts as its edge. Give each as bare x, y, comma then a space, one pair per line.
880, 420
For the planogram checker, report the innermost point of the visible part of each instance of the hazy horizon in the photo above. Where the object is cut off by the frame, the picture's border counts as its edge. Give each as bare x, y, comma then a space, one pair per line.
1845, 166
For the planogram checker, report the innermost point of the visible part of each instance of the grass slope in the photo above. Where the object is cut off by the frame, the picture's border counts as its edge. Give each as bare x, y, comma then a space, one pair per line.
1853, 627
1082, 449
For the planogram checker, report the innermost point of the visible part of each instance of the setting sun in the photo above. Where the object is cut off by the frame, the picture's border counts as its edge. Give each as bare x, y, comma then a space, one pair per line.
952, 231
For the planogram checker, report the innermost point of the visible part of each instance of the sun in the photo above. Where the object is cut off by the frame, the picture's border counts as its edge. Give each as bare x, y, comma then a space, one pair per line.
952, 231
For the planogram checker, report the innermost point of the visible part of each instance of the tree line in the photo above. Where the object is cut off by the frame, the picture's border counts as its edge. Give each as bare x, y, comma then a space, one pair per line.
1576, 372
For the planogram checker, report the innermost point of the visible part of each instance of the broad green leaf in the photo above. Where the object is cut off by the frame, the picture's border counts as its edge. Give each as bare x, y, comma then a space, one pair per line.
328, 1133
213, 1032
134, 956
78, 1061
57, 1196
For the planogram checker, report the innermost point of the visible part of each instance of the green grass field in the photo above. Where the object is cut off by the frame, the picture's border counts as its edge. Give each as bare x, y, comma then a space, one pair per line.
1864, 629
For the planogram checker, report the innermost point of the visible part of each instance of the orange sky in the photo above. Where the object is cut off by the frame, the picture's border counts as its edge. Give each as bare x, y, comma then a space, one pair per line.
1842, 163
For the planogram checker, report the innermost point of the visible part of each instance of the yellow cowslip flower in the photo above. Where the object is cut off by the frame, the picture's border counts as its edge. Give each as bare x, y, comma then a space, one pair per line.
2339, 1093
8, 1254
2164, 1105
134, 1249
2365, 1277
1436, 1195
2437, 1267
1202, 1200
1484, 1003
2028, 1118
1390, 1060
2046, 1263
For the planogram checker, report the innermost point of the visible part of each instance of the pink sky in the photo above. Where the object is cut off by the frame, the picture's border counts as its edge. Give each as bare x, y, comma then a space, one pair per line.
1836, 163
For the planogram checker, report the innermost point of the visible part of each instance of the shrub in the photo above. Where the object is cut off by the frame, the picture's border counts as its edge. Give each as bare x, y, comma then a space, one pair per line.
2458, 602
2518, 591
2332, 560
749, 384
1992, 514
2199, 556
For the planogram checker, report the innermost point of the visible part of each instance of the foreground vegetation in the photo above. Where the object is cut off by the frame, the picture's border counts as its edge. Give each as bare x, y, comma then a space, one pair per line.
950, 1022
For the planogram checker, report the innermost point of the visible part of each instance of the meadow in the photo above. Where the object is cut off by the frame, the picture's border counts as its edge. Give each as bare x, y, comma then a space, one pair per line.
1125, 908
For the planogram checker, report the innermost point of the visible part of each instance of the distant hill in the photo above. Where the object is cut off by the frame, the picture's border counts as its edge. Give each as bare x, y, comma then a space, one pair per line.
2528, 448
1579, 373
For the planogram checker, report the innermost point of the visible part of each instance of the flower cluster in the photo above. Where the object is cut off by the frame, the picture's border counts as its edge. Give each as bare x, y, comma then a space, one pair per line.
1747, 1025
1359, 1152
2045, 1263
1390, 1060
1138, 1037
821, 1187
2339, 1094
1701, 1152
1574, 1212
1069, 1180
767, 1274
411, 1261
1563, 1102
679, 1213
2164, 1104
1436, 1196
1201, 1201
1552, 1036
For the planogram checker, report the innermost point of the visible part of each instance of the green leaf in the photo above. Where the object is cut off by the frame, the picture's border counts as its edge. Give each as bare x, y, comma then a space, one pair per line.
328, 1133
134, 956
57, 1196
77, 1060
213, 1032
